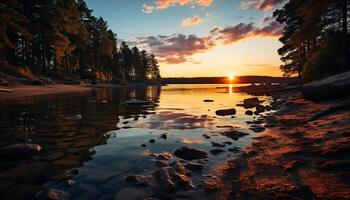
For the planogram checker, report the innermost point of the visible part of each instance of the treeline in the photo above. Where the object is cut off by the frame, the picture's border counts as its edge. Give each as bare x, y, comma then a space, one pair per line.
315, 38
63, 39
225, 80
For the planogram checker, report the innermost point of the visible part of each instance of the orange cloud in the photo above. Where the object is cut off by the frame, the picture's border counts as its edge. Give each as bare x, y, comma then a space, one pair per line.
191, 21
176, 49
260, 4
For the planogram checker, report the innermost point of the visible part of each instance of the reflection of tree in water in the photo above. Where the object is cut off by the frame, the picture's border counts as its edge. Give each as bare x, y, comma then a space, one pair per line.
68, 127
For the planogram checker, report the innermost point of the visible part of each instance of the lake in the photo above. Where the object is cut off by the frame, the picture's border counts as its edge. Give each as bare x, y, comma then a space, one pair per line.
94, 140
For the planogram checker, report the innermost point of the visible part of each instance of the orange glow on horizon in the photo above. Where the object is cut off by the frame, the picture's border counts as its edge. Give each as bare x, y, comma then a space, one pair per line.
231, 77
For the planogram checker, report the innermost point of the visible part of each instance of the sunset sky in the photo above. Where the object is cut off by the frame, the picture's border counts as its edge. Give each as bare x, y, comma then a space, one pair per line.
199, 37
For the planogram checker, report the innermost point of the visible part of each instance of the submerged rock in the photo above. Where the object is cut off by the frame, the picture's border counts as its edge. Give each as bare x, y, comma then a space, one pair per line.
208, 100
257, 128
52, 194
152, 141
194, 166
216, 144
251, 102
163, 156
19, 151
226, 112
249, 112
235, 135
189, 153
216, 151
139, 180
164, 136
206, 136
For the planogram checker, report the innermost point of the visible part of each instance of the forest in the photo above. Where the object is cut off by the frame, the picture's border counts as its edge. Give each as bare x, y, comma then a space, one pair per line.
62, 39
315, 38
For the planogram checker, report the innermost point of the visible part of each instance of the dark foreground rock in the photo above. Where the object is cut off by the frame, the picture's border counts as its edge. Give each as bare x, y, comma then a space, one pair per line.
19, 151
189, 153
52, 194
165, 181
226, 112
235, 135
329, 88
251, 102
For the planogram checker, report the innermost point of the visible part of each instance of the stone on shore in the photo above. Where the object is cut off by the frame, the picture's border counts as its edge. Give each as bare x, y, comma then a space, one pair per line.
19, 151
52, 194
235, 135
251, 102
189, 153
226, 112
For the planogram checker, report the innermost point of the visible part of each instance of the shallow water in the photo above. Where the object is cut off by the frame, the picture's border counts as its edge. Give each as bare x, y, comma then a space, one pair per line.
95, 133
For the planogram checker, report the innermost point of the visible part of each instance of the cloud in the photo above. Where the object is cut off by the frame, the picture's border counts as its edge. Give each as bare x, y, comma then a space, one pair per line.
176, 49
147, 8
231, 34
164, 4
260, 4
191, 21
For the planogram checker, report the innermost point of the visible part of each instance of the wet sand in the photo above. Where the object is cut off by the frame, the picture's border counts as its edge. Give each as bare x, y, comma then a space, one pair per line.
32, 90
294, 159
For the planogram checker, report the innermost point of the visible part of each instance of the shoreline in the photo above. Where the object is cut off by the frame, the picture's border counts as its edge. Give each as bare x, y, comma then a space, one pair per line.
293, 158
20, 91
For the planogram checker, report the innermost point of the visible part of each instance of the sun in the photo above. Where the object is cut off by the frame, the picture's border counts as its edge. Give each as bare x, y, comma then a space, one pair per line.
231, 77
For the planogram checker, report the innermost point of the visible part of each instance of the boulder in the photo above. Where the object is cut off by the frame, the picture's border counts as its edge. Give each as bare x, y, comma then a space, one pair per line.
52, 194
19, 151
189, 153
329, 88
249, 112
235, 135
251, 102
216, 151
139, 180
226, 112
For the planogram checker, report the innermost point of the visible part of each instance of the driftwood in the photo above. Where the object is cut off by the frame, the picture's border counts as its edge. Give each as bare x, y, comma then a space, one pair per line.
5, 90
329, 88
331, 110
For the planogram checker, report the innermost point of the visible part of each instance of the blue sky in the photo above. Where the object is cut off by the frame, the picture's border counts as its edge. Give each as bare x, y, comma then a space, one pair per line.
127, 19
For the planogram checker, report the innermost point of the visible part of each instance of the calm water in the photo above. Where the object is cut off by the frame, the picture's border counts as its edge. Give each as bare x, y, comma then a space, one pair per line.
100, 138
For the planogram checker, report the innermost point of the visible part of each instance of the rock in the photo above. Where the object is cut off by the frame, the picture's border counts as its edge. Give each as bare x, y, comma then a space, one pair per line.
19, 151
208, 100
164, 156
329, 88
216, 144
251, 102
170, 181
189, 153
235, 135
228, 142
152, 141
206, 136
257, 128
216, 151
139, 180
226, 112
260, 108
164, 136
143, 145
249, 112
52, 194
195, 166
70, 182
235, 150
160, 163
268, 108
